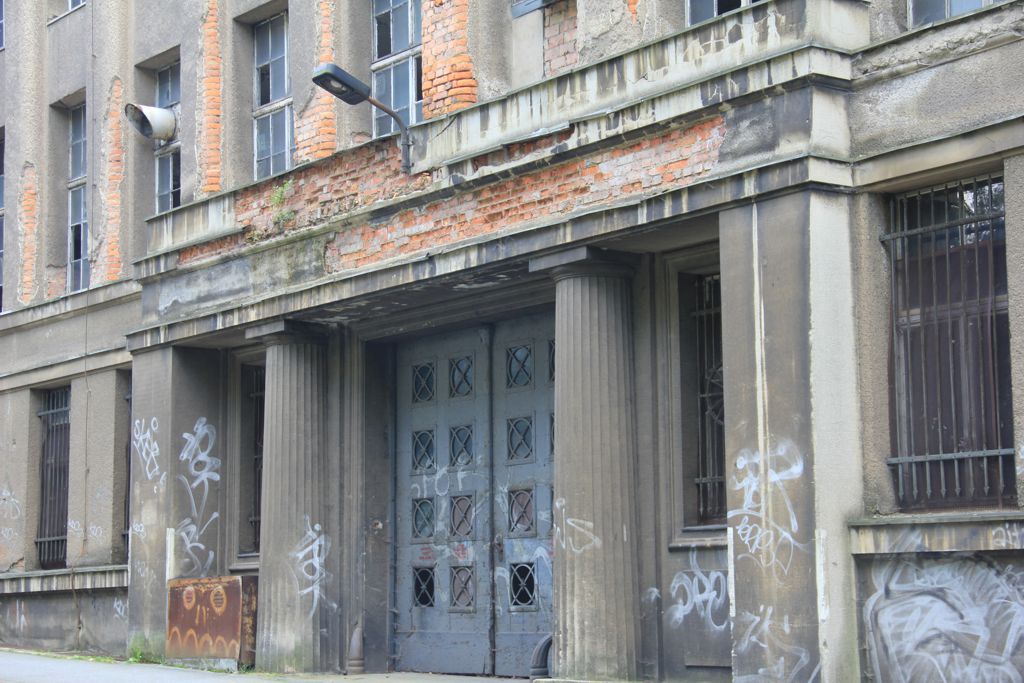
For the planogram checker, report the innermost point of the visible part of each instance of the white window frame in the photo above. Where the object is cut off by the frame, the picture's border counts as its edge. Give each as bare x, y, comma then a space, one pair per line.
947, 13
261, 112
78, 184
411, 55
169, 69
167, 150
167, 153
716, 13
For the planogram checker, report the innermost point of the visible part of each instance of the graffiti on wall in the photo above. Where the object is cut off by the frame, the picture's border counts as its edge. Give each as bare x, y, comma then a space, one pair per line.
770, 539
10, 513
955, 618
144, 446
571, 533
771, 633
202, 469
310, 556
704, 593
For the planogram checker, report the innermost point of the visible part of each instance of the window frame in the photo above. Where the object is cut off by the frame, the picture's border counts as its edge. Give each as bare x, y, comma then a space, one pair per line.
173, 71
77, 185
910, 368
716, 13
243, 559
409, 58
265, 112
168, 155
947, 12
54, 411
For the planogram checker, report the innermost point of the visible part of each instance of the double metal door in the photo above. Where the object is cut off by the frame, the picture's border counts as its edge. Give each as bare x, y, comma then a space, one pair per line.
473, 498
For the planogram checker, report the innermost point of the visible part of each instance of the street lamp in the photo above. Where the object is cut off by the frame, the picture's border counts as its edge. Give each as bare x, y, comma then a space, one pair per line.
351, 90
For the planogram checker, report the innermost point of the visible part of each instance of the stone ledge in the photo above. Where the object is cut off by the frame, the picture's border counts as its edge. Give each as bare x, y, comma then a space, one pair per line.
53, 580
938, 533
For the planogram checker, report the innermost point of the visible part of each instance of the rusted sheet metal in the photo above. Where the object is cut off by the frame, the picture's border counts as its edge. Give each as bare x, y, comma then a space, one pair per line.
212, 618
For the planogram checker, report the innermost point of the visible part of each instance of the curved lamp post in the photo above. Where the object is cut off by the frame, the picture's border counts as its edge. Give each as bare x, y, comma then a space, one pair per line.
351, 90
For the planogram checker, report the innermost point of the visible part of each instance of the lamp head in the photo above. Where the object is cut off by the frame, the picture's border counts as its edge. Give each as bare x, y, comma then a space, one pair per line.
341, 84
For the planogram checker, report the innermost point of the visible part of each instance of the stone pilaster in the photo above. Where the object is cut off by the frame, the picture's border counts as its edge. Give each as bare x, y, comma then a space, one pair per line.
596, 608
293, 541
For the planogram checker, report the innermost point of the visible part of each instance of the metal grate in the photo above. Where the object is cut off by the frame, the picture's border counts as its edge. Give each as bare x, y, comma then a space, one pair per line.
460, 376
51, 539
423, 459
461, 444
422, 518
523, 585
127, 520
423, 586
951, 405
520, 512
463, 588
710, 480
462, 516
256, 390
520, 438
519, 366
422, 383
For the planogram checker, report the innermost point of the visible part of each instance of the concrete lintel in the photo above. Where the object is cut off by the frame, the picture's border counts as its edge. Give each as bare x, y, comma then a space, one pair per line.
107, 577
941, 533
276, 329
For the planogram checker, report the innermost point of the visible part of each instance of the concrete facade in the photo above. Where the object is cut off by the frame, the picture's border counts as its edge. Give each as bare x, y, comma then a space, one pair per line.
242, 399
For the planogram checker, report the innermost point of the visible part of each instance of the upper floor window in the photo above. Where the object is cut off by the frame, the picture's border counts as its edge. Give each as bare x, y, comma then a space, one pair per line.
78, 223
168, 85
702, 10
397, 66
927, 11
72, 4
951, 407
272, 110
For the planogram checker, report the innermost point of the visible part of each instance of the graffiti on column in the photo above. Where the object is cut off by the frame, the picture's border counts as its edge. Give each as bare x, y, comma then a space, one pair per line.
767, 632
571, 533
203, 469
10, 511
310, 557
958, 618
770, 540
121, 609
705, 593
144, 445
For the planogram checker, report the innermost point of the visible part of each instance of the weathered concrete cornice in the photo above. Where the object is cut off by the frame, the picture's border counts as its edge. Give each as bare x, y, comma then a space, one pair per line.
79, 303
923, 48
109, 577
937, 532
188, 319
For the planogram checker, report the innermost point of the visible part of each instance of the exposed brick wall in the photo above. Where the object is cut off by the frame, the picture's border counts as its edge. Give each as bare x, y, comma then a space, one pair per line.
106, 252
560, 53
316, 126
632, 5
28, 233
357, 179
210, 132
449, 83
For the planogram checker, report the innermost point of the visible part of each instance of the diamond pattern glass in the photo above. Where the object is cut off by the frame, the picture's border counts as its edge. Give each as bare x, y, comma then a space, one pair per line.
520, 438
519, 366
460, 376
462, 515
422, 382
520, 511
463, 587
423, 586
422, 518
423, 458
461, 442
523, 585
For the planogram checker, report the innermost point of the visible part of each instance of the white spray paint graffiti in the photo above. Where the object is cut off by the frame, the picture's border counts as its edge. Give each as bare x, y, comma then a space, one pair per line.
10, 507
95, 532
310, 562
573, 534
75, 528
950, 619
20, 622
145, 446
763, 631
771, 541
700, 591
202, 469
1007, 536
121, 609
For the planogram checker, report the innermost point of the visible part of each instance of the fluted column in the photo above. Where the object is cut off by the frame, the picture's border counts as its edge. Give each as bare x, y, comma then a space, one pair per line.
597, 614
293, 543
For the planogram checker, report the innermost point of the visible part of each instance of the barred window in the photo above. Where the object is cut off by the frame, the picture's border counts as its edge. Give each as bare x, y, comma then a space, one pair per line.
52, 533
951, 407
253, 407
710, 480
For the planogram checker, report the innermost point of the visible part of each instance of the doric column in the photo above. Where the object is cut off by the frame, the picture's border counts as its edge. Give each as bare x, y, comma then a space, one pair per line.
597, 614
293, 543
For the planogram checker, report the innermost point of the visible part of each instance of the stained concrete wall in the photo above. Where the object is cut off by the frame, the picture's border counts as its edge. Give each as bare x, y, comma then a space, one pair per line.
93, 621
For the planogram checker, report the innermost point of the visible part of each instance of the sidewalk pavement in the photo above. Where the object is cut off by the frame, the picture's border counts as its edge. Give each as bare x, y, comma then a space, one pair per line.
20, 666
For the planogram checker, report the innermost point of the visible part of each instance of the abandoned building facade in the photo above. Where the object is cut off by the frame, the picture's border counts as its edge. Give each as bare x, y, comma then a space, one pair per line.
693, 338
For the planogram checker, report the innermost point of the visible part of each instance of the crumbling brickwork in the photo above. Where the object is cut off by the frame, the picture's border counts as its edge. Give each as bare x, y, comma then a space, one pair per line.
28, 218
449, 83
316, 125
210, 69
107, 260
560, 52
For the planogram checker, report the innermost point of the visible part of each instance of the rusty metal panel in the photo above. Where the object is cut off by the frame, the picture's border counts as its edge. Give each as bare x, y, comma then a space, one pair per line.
212, 618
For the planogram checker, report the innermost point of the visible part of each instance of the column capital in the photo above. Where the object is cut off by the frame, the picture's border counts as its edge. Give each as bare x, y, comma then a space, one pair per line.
585, 262
287, 331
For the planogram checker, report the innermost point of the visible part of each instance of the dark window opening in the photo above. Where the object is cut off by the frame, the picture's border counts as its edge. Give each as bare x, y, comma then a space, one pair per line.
51, 537
710, 480
253, 406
